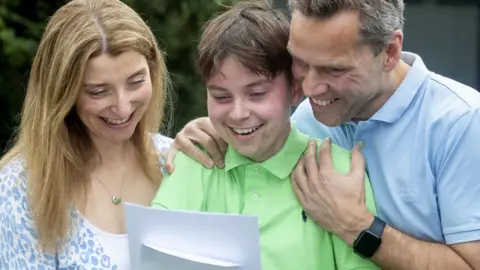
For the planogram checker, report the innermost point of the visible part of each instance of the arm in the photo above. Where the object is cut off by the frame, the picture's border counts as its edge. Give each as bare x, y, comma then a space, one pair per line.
19, 246
400, 251
336, 201
184, 188
198, 132
458, 188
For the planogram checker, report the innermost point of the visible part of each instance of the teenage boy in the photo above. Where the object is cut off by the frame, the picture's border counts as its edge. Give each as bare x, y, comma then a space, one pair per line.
250, 92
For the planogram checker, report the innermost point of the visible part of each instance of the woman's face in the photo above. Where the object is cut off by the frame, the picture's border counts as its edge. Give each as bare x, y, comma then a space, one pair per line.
115, 94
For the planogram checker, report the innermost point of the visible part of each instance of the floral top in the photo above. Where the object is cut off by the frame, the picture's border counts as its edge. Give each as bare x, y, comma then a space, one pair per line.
19, 247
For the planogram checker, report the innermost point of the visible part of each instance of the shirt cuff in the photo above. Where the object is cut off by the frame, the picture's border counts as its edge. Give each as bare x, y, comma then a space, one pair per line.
463, 234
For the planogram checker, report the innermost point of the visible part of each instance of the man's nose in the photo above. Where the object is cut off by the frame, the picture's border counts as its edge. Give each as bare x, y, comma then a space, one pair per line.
312, 85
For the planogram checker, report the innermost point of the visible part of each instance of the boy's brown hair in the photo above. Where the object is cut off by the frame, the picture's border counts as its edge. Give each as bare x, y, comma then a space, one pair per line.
252, 32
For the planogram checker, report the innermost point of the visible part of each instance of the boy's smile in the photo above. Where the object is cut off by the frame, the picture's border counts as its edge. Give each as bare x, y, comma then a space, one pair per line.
251, 112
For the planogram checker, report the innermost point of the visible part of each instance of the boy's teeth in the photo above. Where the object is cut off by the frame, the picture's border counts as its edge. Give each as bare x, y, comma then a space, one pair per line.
245, 130
323, 102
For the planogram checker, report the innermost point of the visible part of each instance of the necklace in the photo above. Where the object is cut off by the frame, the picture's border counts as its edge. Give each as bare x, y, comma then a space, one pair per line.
115, 199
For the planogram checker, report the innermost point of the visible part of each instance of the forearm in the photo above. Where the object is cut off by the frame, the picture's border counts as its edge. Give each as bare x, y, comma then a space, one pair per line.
400, 251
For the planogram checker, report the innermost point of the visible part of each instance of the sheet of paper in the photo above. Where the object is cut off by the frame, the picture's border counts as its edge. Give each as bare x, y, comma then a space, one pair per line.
184, 240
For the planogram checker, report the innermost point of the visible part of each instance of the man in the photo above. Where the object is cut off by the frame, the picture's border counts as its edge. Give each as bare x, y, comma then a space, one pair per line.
418, 129
244, 60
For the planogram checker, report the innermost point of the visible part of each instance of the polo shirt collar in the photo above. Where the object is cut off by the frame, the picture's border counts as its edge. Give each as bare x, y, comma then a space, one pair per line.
398, 103
281, 164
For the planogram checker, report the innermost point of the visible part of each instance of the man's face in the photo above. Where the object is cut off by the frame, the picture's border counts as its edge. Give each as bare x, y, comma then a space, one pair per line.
250, 112
340, 75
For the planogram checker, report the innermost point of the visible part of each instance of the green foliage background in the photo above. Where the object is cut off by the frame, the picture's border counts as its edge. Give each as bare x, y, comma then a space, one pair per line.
176, 23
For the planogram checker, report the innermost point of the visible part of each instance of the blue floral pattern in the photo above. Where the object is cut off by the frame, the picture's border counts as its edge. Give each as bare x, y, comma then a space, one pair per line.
19, 247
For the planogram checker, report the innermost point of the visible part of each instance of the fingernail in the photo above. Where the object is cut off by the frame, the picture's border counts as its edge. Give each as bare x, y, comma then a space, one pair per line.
326, 140
209, 164
312, 145
220, 164
360, 144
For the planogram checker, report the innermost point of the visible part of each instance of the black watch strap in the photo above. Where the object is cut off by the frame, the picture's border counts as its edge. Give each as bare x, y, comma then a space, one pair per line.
377, 226
369, 240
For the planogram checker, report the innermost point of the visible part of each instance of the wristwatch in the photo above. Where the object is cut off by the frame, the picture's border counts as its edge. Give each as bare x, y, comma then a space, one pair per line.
369, 240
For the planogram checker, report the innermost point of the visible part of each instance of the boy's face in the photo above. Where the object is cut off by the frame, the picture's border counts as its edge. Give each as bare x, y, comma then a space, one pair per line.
249, 111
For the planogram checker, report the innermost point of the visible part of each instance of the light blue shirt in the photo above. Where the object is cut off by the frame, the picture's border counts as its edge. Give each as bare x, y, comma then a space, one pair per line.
422, 151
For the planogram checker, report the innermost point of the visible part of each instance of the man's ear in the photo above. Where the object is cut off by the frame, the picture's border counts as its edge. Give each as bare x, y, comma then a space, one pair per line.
297, 92
393, 51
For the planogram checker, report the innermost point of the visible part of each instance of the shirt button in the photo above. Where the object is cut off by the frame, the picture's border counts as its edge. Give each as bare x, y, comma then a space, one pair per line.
255, 196
255, 170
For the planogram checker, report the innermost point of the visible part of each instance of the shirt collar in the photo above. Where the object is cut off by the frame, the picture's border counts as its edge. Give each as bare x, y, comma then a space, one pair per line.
282, 163
398, 103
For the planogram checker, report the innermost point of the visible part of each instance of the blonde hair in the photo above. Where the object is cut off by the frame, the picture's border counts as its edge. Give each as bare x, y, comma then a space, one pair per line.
51, 137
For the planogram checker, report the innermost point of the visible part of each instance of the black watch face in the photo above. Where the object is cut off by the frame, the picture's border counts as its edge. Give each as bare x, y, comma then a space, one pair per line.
367, 244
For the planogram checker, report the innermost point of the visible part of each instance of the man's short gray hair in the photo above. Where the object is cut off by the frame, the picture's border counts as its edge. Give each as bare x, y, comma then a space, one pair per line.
378, 18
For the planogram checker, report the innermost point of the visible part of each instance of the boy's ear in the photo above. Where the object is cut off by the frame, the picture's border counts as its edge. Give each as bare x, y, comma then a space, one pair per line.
297, 92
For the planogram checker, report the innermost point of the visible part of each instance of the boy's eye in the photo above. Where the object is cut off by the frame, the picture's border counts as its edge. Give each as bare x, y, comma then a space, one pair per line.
258, 95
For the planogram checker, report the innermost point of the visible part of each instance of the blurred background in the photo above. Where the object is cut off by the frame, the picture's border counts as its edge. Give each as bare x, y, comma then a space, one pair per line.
445, 33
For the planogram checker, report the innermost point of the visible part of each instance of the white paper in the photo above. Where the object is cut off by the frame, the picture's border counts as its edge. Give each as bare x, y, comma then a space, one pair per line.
184, 240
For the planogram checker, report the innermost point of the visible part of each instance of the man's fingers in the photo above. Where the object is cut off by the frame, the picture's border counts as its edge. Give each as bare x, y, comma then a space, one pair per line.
202, 133
215, 145
297, 189
172, 152
222, 145
193, 151
208, 143
300, 178
311, 165
357, 166
325, 156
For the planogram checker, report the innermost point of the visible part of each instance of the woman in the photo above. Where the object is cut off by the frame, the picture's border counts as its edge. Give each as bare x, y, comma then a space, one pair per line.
87, 141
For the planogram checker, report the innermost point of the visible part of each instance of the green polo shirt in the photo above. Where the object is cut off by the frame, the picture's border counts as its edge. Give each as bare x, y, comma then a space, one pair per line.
264, 190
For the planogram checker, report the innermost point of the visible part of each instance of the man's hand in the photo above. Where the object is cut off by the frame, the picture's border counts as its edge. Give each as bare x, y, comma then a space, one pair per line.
335, 201
198, 132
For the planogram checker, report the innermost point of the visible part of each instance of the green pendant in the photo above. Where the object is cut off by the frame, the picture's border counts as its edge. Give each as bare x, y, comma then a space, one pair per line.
116, 200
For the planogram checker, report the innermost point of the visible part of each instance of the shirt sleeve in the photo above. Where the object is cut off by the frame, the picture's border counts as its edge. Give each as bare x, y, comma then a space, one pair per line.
458, 180
345, 257
19, 245
184, 189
